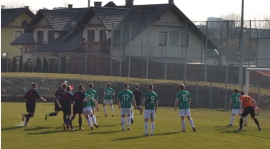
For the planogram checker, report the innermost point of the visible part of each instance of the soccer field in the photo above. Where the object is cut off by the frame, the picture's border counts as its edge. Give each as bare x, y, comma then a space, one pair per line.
211, 125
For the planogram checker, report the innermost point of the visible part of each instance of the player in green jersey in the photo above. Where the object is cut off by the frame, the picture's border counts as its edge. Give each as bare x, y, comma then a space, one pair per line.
150, 102
94, 94
236, 109
108, 99
183, 101
87, 109
125, 100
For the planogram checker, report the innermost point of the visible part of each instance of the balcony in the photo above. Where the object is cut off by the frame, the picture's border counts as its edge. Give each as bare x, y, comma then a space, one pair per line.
91, 46
32, 45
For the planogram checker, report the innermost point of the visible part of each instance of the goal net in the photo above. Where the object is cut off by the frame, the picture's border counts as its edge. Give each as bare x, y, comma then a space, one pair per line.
258, 87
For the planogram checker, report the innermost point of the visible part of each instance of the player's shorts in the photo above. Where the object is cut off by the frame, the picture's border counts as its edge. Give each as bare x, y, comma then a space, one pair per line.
30, 109
56, 107
77, 110
138, 102
184, 112
236, 111
125, 111
248, 110
149, 114
93, 108
66, 111
108, 101
87, 111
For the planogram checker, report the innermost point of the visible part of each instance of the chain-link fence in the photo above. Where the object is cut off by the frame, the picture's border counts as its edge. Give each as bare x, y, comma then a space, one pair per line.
189, 51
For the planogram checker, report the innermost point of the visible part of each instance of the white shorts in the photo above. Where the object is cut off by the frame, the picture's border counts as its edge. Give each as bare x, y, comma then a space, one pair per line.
149, 114
184, 112
125, 111
236, 111
93, 108
108, 101
87, 111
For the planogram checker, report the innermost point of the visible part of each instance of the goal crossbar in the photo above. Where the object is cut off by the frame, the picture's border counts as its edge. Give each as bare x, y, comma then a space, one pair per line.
247, 75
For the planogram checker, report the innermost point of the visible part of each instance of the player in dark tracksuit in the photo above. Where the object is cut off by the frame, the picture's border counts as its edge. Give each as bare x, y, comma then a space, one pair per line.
64, 102
138, 94
79, 96
30, 98
57, 93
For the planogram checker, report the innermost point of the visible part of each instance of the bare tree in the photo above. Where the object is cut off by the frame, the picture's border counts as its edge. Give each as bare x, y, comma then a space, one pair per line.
12, 4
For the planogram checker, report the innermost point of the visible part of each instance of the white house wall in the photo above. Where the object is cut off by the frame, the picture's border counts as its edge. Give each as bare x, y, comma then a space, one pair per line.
93, 24
43, 26
146, 44
263, 53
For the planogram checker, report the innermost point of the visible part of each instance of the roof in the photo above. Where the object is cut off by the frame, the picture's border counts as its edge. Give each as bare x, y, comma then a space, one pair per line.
60, 19
111, 15
26, 37
7, 15
70, 45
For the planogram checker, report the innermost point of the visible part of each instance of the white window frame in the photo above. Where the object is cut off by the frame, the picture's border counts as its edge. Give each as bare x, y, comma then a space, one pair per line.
15, 33
159, 33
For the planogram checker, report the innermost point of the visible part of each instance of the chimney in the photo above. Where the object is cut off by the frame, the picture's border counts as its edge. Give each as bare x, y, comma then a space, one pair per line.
170, 1
70, 5
27, 7
88, 3
129, 2
97, 4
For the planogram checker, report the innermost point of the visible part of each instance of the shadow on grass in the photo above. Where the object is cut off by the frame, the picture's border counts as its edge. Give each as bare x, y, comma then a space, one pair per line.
227, 129
48, 132
11, 128
136, 137
127, 138
107, 125
28, 128
102, 132
167, 133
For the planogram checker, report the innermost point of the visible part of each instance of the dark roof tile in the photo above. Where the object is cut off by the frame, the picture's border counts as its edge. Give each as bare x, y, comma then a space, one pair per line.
26, 37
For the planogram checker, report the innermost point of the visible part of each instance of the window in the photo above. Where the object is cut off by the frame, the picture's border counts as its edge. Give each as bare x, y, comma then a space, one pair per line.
18, 34
174, 38
91, 35
40, 36
50, 36
184, 40
162, 38
102, 35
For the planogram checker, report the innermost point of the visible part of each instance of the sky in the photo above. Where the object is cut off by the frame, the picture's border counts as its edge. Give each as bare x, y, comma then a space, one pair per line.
195, 10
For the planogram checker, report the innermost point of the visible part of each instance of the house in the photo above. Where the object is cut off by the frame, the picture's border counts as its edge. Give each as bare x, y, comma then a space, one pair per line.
13, 23
142, 31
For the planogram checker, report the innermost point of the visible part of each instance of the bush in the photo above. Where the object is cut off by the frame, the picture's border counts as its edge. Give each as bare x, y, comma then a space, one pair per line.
45, 65
38, 65
14, 64
63, 64
21, 64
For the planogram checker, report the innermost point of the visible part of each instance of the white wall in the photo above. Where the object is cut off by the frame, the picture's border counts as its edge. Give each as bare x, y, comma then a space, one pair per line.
43, 26
263, 53
93, 24
146, 44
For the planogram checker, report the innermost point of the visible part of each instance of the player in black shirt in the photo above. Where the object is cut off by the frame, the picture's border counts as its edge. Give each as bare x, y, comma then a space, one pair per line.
30, 98
138, 94
64, 102
79, 96
57, 93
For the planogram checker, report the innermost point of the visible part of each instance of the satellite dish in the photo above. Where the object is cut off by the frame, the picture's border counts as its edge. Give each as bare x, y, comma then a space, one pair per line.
24, 23
73, 24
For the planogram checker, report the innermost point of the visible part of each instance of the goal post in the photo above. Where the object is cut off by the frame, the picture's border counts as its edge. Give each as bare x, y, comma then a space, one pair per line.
257, 85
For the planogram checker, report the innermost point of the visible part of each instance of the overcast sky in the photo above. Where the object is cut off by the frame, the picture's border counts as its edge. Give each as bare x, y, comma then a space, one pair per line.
196, 10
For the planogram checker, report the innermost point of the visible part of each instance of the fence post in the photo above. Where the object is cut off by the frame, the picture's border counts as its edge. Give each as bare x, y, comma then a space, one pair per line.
259, 96
7, 62
111, 50
33, 64
46, 89
197, 92
10, 97
226, 85
211, 85
85, 64
147, 68
205, 56
129, 66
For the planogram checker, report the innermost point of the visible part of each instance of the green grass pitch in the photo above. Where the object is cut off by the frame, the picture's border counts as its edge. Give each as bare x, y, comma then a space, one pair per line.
212, 130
